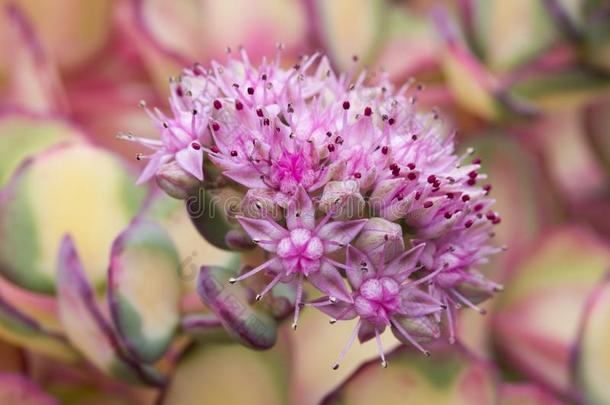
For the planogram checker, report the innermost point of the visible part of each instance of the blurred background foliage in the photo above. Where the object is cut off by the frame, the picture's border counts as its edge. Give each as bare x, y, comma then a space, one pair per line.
526, 82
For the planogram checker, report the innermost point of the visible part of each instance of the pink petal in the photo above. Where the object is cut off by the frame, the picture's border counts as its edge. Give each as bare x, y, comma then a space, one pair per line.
263, 230
151, 168
191, 160
246, 177
355, 269
340, 233
329, 281
342, 311
405, 263
301, 213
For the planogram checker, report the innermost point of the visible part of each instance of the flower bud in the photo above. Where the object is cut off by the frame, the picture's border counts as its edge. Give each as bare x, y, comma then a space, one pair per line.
343, 199
261, 203
380, 240
422, 329
175, 181
213, 214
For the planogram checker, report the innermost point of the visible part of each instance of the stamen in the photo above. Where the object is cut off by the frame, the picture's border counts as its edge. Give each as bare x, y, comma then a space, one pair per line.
349, 344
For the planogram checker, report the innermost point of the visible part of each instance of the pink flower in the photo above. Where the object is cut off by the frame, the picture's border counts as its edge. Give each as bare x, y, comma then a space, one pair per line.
300, 251
383, 297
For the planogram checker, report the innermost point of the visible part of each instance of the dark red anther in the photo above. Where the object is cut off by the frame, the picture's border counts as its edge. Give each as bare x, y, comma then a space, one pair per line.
490, 215
259, 112
478, 207
473, 174
195, 146
215, 126
391, 121
414, 137
384, 150
450, 195
393, 166
357, 175
465, 198
468, 224
411, 176
411, 166
471, 182
217, 104
179, 91
431, 179
368, 111
448, 215
266, 122
437, 184
239, 106
428, 204
418, 195
346, 105
339, 140
396, 172
263, 76
487, 188
250, 90
496, 220
329, 134
214, 149
233, 153
331, 147
476, 161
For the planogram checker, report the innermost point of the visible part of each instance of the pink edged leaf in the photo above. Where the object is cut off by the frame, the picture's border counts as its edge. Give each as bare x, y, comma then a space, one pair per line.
25, 331
144, 290
591, 360
191, 160
552, 282
452, 377
328, 280
405, 264
263, 230
359, 267
206, 369
245, 323
35, 83
301, 212
526, 394
338, 234
87, 327
18, 389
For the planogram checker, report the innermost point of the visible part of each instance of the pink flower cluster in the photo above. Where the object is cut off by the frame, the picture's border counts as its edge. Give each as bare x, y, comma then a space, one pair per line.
342, 180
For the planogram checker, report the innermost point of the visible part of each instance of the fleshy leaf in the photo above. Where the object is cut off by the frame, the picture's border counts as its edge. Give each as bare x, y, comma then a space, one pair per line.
17, 389
87, 326
526, 394
144, 290
451, 377
349, 28
23, 135
23, 330
259, 378
551, 283
245, 323
192, 249
592, 360
86, 192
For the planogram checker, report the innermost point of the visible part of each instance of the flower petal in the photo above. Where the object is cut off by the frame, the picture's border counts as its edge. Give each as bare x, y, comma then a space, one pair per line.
405, 263
328, 280
359, 267
263, 230
191, 160
339, 233
301, 213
